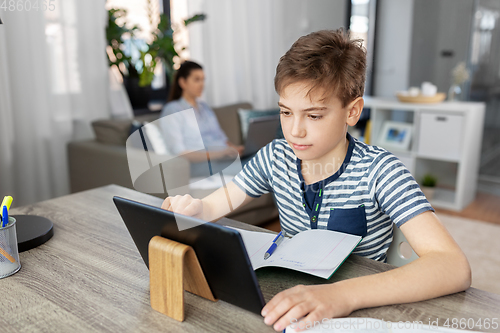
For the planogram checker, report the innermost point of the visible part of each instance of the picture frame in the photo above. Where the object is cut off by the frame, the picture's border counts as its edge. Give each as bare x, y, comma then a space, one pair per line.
395, 136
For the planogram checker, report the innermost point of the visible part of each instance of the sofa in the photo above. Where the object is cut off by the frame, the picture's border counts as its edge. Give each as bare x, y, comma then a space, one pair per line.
103, 160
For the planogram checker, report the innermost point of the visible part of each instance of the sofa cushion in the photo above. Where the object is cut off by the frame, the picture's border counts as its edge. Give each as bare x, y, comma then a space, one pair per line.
116, 131
112, 131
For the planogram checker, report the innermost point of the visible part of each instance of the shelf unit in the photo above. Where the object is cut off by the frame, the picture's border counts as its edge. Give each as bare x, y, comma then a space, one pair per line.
445, 141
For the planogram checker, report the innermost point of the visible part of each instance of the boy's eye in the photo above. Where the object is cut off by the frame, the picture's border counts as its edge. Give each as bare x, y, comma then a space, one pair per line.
315, 117
285, 113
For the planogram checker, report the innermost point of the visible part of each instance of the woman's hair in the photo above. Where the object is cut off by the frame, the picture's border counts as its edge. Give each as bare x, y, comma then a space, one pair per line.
183, 72
328, 60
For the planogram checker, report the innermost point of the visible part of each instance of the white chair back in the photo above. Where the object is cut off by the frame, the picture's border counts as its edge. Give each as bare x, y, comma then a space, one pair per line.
400, 252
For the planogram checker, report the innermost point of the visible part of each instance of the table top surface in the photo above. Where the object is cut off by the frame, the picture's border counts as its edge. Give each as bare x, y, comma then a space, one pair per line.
90, 277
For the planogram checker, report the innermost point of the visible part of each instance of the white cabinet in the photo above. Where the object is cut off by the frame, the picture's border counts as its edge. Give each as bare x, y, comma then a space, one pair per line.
445, 142
440, 135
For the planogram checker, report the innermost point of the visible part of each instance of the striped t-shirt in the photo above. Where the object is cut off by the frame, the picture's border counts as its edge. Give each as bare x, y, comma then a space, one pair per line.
370, 191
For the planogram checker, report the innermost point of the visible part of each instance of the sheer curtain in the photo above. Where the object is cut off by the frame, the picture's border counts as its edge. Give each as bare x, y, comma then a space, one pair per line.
241, 42
53, 72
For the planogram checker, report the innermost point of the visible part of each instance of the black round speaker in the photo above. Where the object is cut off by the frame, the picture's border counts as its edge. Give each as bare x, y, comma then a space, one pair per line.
32, 231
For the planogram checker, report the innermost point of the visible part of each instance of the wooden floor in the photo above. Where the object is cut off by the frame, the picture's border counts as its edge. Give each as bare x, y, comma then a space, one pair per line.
485, 208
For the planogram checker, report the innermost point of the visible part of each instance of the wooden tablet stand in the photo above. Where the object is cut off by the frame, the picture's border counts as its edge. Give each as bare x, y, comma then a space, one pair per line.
173, 268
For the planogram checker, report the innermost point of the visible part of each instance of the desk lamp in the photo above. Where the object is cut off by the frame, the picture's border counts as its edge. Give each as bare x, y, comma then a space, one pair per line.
32, 230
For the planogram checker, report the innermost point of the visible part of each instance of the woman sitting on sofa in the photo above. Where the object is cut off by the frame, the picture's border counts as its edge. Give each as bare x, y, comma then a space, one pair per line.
182, 134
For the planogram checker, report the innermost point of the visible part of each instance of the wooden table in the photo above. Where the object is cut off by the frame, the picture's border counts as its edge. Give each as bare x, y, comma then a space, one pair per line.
90, 277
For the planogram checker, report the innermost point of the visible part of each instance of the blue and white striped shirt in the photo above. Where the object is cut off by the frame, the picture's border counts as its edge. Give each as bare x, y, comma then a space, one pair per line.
372, 190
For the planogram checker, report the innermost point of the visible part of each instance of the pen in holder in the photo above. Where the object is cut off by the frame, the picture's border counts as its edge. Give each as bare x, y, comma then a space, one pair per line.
9, 255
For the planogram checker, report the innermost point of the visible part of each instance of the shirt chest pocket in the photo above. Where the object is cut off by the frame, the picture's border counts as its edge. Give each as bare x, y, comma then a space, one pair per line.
351, 221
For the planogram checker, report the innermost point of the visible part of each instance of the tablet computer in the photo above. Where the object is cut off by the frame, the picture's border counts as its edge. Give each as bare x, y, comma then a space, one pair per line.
220, 250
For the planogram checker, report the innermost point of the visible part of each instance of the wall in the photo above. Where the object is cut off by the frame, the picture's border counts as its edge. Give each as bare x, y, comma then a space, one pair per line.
241, 43
392, 55
301, 17
438, 26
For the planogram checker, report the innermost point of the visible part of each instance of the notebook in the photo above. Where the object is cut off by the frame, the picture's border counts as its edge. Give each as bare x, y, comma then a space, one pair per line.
317, 252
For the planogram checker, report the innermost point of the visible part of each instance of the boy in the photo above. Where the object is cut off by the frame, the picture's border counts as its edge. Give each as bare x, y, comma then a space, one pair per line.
324, 178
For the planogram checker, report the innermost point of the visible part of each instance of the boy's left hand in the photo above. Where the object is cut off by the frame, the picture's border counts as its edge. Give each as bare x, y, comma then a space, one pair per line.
306, 304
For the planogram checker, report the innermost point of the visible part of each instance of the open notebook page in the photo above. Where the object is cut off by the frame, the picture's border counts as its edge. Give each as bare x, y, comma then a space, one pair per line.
317, 252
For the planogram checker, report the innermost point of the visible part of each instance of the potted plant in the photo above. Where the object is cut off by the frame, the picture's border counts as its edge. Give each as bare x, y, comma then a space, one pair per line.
137, 59
121, 46
428, 185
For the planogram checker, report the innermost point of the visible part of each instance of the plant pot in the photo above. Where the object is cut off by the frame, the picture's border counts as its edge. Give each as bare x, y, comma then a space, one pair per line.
139, 96
428, 192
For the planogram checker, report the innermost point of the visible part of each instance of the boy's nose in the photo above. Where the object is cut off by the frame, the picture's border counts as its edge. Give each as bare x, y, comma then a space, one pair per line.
298, 129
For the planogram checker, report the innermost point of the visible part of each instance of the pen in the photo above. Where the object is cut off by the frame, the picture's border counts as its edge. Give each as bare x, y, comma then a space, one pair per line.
277, 241
5, 216
7, 201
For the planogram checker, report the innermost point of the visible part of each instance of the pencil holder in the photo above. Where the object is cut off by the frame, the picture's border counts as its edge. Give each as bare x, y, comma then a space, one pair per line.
9, 255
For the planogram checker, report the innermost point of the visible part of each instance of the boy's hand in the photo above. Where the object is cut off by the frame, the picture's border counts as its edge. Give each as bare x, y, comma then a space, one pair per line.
303, 305
184, 204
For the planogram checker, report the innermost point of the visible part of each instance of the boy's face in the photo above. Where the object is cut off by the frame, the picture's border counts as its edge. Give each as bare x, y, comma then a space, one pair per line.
315, 129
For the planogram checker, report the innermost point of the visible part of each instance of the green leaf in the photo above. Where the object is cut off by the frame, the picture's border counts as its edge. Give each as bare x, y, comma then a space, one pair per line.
195, 18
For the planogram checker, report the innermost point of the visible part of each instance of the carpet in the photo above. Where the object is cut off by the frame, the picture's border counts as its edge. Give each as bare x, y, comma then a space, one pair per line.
480, 242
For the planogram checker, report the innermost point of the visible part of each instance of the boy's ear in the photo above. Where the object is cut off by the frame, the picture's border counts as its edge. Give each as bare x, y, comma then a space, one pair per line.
354, 111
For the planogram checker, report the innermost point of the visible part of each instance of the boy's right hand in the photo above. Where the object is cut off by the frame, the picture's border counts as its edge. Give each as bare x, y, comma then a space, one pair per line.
184, 204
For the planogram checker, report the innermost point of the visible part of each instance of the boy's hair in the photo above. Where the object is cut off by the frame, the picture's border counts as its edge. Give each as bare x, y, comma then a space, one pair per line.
326, 59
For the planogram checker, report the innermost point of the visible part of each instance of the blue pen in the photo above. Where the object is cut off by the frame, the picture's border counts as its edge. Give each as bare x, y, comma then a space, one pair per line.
5, 216
277, 241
